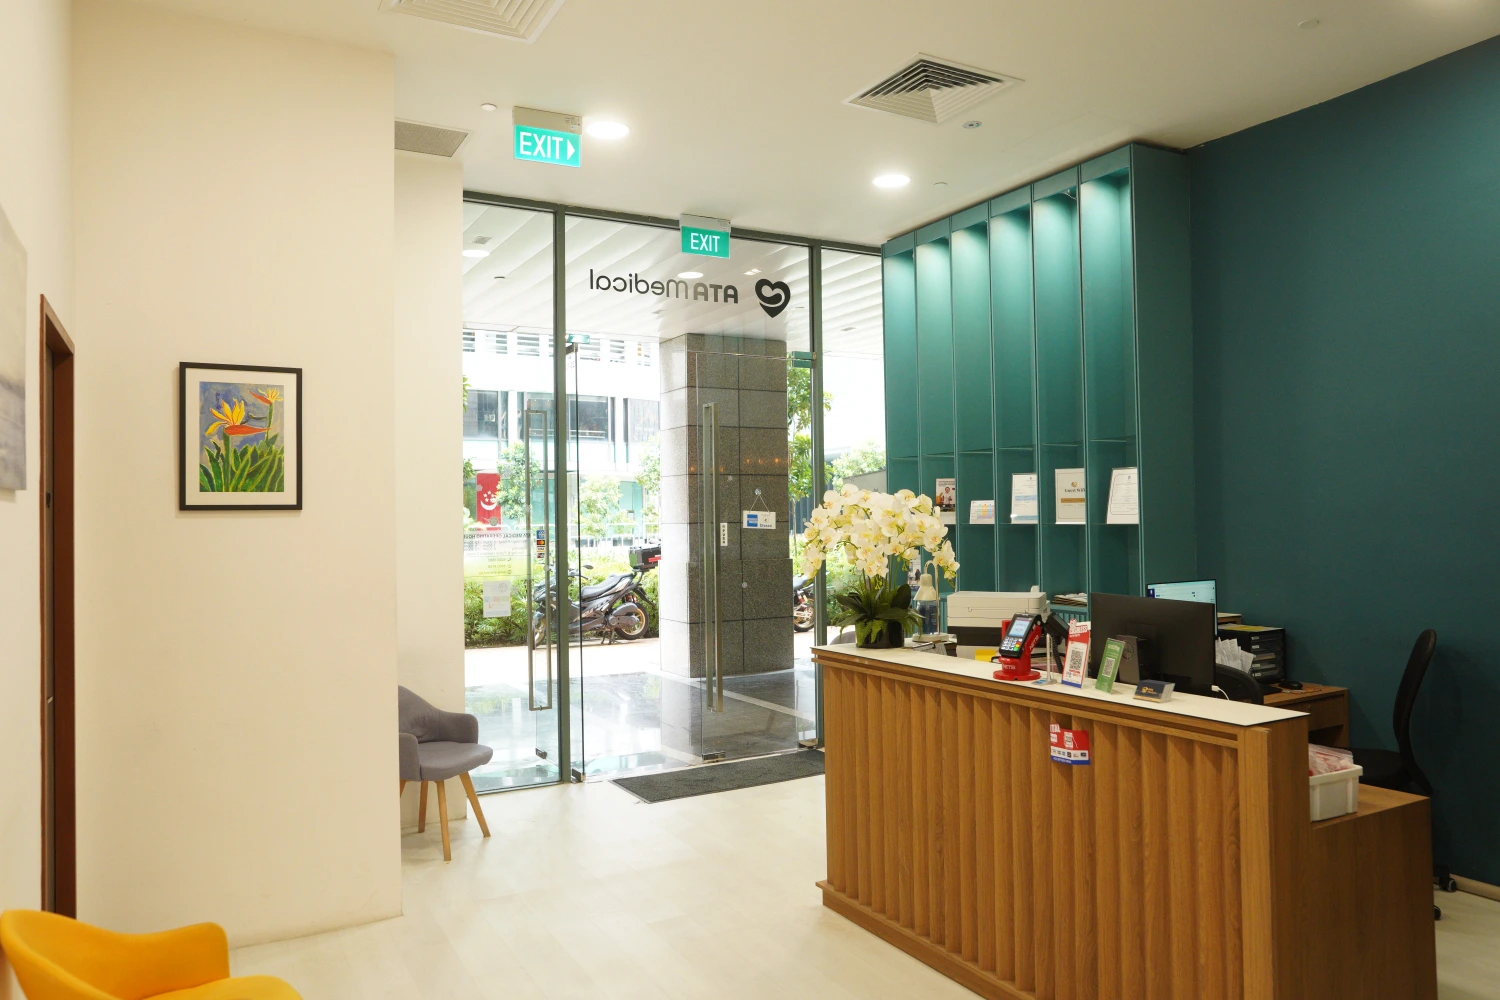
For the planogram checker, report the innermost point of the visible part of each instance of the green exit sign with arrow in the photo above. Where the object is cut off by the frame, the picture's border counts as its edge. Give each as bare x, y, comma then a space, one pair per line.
705, 236
548, 137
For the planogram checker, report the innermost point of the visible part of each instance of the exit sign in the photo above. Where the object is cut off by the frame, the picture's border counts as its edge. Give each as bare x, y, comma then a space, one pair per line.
548, 137
704, 236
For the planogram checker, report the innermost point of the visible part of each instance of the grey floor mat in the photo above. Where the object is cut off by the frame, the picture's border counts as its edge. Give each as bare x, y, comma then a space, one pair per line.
708, 778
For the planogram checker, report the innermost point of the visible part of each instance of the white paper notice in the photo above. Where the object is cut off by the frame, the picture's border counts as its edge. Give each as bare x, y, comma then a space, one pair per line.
1071, 506
497, 598
1124, 498
1023, 498
981, 512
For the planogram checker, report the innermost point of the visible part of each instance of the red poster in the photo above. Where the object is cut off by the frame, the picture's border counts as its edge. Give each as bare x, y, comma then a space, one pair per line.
488, 500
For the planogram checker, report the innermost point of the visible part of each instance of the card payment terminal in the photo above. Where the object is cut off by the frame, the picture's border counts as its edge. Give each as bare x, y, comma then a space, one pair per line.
1015, 649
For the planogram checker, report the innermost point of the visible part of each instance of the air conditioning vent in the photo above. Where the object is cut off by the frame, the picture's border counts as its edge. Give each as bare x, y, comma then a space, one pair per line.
932, 90
434, 140
518, 19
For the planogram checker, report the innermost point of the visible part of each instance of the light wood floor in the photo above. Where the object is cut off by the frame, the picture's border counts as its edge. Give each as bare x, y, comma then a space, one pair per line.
584, 892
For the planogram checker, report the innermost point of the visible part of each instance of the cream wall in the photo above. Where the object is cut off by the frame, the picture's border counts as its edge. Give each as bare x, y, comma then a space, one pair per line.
234, 202
34, 169
429, 431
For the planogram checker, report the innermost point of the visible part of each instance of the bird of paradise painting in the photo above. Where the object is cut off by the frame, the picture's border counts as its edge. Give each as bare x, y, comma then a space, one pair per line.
241, 431
240, 437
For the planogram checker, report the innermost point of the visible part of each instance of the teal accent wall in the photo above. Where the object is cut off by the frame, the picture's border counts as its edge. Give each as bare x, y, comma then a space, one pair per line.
1346, 315
1050, 328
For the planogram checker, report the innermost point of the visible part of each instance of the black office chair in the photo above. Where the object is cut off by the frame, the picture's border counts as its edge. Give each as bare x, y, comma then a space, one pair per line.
1399, 769
1238, 684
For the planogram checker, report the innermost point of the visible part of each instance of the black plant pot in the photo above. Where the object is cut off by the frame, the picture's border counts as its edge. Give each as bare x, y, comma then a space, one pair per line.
894, 637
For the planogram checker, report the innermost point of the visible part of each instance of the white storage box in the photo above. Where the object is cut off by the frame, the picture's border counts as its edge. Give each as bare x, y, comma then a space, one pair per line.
1335, 793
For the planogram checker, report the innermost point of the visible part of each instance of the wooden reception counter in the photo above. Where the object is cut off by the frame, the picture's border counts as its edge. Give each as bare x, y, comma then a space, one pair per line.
1179, 864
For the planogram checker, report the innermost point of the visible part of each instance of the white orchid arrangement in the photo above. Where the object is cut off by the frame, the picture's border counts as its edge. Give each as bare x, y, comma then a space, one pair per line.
871, 529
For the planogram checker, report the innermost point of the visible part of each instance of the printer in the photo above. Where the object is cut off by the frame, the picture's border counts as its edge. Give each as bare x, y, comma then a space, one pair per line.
977, 617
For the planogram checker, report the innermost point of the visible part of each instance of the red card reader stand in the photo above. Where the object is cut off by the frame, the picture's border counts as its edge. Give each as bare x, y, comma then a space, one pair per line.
1015, 649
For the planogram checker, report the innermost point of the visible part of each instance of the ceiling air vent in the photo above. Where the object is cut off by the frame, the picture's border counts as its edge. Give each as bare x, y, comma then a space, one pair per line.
414, 137
521, 19
932, 90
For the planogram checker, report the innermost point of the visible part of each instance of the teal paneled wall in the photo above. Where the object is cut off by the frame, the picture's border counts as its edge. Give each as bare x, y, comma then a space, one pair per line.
1030, 318
1014, 339
935, 350
973, 383
1347, 338
1164, 362
1059, 379
1109, 370
899, 288
971, 338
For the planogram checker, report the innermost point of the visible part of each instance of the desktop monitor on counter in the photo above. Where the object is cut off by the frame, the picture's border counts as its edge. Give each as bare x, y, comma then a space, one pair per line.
1175, 638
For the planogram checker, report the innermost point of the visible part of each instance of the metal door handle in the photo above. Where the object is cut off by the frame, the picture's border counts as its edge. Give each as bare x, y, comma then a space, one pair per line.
530, 557
708, 432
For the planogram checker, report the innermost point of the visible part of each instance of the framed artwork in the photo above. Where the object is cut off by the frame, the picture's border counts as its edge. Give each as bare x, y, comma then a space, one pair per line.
12, 358
239, 438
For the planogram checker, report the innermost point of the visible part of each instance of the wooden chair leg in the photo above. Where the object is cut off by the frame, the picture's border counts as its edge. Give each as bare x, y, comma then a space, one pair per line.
442, 787
422, 810
403, 788
474, 802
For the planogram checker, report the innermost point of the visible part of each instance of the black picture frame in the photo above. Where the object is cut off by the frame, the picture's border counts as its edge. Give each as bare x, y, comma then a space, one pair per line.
187, 413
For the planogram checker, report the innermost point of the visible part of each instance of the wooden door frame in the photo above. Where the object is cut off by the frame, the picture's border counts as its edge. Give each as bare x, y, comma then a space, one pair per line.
55, 484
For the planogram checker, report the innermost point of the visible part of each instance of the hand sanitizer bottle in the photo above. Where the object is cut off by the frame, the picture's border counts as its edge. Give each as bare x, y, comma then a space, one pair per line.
925, 603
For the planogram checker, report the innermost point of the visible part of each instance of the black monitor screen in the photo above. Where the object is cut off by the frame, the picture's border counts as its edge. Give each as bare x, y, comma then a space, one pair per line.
1175, 639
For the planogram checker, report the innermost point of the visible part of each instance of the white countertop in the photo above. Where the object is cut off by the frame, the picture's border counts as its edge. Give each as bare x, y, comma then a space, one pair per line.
1234, 713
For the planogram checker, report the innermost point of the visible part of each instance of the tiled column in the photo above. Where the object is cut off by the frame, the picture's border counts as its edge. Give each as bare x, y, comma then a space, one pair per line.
747, 379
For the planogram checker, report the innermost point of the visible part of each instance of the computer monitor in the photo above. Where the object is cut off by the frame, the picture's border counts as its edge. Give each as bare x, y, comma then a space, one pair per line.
1205, 591
1175, 638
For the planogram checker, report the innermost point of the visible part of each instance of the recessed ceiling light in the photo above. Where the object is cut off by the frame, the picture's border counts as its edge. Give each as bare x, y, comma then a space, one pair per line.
690, 275
607, 130
476, 253
892, 181
487, 107
972, 124
753, 270
1310, 23
939, 184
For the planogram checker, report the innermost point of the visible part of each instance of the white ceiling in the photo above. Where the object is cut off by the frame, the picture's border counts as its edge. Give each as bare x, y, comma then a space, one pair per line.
737, 110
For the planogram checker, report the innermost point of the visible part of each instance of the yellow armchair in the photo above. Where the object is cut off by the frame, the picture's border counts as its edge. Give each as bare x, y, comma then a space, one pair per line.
57, 958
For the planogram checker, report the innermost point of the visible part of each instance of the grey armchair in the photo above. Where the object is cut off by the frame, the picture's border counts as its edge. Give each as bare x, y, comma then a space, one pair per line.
435, 746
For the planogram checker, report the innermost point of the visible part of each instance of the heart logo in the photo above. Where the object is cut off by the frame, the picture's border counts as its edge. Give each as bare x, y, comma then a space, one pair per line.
774, 296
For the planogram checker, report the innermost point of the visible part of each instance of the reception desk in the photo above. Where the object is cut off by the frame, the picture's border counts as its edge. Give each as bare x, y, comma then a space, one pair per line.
1179, 864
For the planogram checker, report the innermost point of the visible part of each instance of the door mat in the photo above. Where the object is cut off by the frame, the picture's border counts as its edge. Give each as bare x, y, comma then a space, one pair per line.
705, 779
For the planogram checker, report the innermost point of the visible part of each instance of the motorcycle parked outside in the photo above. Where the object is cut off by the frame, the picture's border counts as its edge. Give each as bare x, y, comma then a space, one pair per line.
615, 608
802, 603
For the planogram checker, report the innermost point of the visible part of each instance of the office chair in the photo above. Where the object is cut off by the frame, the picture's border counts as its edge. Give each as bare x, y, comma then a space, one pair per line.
1399, 769
1238, 684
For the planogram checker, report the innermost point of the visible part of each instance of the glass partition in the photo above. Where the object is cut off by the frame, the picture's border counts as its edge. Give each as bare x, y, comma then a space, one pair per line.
510, 494
853, 368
